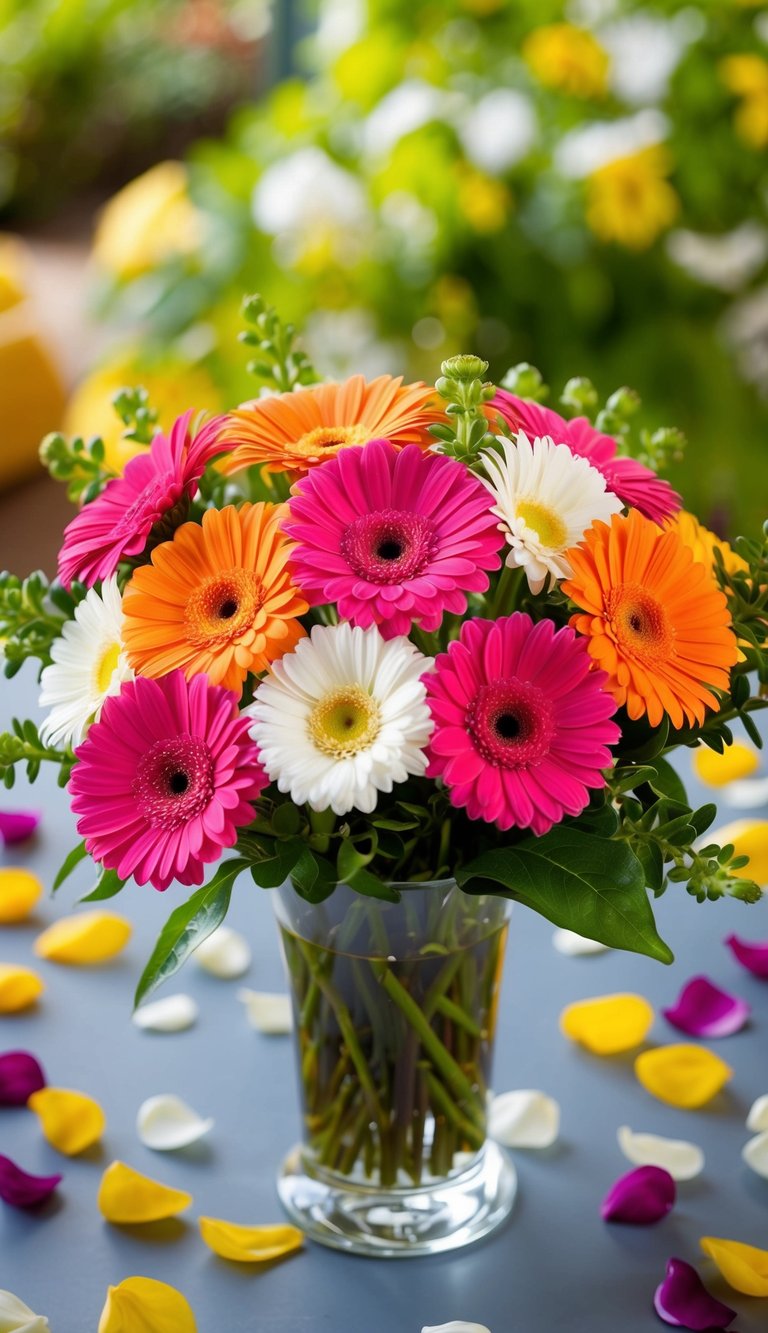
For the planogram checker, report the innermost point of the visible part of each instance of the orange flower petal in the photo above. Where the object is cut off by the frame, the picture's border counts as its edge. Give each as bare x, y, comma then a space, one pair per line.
682, 1075
608, 1024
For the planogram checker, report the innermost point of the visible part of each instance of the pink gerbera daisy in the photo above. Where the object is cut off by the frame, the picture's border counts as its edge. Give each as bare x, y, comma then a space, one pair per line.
635, 485
522, 724
392, 536
165, 778
117, 524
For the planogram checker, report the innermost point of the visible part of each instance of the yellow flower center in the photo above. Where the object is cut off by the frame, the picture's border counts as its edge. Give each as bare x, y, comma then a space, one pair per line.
222, 607
105, 667
345, 721
325, 441
639, 623
548, 526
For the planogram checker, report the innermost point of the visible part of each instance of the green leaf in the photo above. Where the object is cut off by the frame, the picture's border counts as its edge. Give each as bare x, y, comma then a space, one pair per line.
668, 782
286, 821
77, 855
275, 870
188, 926
314, 878
652, 861
373, 887
351, 860
109, 884
640, 742
601, 820
578, 881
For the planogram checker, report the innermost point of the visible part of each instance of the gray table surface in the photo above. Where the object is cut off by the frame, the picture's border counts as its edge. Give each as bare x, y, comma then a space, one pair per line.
555, 1265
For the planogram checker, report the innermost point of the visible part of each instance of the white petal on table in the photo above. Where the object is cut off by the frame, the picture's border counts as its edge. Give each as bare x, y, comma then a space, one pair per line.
525, 1118
757, 1119
16, 1317
681, 1159
224, 954
174, 1013
166, 1123
267, 1012
573, 945
746, 794
755, 1154
455, 1326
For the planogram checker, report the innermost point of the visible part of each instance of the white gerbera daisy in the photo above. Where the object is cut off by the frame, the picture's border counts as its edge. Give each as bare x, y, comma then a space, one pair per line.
546, 498
88, 665
343, 717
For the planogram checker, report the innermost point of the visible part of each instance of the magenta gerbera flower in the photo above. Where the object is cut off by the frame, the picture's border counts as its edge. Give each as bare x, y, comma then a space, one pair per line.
117, 524
392, 536
635, 484
522, 725
165, 778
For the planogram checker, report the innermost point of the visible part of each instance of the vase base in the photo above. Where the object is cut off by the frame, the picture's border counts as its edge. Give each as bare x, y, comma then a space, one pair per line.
399, 1222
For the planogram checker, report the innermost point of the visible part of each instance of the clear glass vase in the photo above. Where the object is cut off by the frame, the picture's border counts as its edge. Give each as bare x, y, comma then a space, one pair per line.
395, 1014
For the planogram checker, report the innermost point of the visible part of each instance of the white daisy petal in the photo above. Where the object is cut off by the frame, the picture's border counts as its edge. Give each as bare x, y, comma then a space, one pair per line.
173, 1013
524, 1119
682, 1160
455, 1326
225, 953
572, 944
757, 1120
16, 1317
166, 1123
266, 1012
746, 794
755, 1154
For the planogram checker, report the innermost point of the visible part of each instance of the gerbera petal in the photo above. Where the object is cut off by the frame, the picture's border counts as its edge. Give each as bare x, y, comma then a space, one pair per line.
608, 1024
20, 1075
166, 1123
19, 892
225, 953
70, 1121
524, 1119
758, 1114
717, 770
19, 988
127, 1197
16, 1317
744, 1267
704, 1010
683, 1301
755, 1154
682, 1075
248, 1244
682, 1160
20, 1189
751, 954
267, 1012
573, 945
84, 939
18, 825
640, 1197
173, 1013
144, 1305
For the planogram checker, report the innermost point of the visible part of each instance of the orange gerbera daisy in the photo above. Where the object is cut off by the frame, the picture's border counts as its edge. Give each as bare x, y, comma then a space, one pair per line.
291, 432
218, 599
703, 543
655, 619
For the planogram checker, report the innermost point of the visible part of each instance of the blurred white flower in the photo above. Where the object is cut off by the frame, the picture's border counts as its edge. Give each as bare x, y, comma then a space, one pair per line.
645, 51
340, 24
727, 261
308, 198
346, 342
406, 108
499, 130
746, 330
586, 149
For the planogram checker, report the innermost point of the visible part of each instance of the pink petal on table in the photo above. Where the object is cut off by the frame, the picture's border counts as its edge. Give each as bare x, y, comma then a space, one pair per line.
20, 1076
703, 1010
20, 1189
683, 1300
18, 825
752, 955
640, 1197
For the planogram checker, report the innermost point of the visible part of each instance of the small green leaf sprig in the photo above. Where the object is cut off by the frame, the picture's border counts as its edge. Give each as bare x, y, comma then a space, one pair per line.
280, 363
32, 613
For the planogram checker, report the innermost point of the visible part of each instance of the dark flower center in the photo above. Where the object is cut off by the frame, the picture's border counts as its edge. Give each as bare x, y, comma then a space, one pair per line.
178, 783
228, 609
510, 722
174, 781
389, 546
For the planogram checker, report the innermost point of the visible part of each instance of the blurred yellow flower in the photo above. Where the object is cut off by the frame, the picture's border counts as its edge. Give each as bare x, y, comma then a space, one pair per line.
85, 938
150, 220
249, 1245
747, 77
630, 201
19, 988
608, 1024
127, 1197
19, 891
70, 1121
682, 1075
144, 1305
702, 543
485, 203
567, 58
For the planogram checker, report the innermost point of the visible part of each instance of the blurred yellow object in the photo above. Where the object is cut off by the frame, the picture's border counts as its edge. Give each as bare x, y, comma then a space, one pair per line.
608, 1024
19, 988
702, 543
150, 220
717, 770
70, 1121
144, 1305
744, 1267
630, 201
749, 837
747, 77
682, 1075
19, 891
84, 939
485, 203
127, 1197
567, 58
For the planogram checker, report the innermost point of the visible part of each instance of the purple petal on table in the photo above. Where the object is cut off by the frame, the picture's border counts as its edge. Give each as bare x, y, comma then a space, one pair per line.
20, 1075
18, 825
683, 1300
752, 955
703, 1010
641, 1196
20, 1189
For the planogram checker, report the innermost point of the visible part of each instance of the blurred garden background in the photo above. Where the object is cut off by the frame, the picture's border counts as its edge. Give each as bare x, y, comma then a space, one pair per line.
582, 186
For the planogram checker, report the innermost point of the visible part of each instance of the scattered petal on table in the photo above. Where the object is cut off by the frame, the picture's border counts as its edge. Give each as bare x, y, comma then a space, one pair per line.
640, 1197
744, 1267
751, 954
683, 1300
524, 1118
572, 944
249, 1245
717, 770
747, 795
758, 1114
127, 1196
173, 1013
19, 988
22, 1190
86, 937
166, 1122
71, 1121
19, 891
455, 1326
16, 1317
224, 954
267, 1012
608, 1024
749, 838
682, 1075
704, 1010
755, 1154
18, 825
144, 1305
682, 1160
20, 1075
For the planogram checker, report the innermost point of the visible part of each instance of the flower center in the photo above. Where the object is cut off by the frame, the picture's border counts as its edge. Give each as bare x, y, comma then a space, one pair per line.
639, 623
222, 607
548, 526
158, 496
389, 546
344, 721
511, 723
105, 667
325, 441
174, 781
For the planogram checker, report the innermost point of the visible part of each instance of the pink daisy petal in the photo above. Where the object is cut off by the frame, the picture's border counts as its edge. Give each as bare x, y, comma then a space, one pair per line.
753, 956
704, 1010
20, 1075
640, 1197
20, 1189
18, 825
683, 1301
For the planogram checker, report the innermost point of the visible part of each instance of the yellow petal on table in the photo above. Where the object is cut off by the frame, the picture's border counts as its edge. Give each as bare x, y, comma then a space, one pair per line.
144, 1305
744, 1267
86, 937
249, 1245
19, 988
126, 1196
682, 1074
19, 891
608, 1024
749, 838
71, 1121
717, 770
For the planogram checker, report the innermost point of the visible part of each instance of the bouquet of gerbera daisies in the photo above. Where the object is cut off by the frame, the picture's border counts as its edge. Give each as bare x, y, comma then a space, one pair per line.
374, 633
